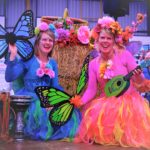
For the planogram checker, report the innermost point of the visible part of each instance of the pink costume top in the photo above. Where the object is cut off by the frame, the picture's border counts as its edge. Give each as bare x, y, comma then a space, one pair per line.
122, 64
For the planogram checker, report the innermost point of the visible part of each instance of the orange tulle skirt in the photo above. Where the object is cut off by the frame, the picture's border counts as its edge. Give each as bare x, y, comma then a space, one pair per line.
121, 121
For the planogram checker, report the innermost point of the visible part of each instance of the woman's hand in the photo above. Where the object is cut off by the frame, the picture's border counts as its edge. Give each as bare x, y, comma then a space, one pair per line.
13, 51
137, 72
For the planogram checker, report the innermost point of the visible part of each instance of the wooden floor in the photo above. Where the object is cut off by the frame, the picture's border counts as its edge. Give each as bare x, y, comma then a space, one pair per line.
56, 145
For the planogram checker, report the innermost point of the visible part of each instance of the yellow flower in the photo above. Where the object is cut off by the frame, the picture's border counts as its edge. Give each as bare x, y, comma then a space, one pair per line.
104, 66
102, 69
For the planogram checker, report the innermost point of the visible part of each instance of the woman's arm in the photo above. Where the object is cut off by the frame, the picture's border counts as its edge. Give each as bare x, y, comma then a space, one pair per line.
14, 67
92, 84
140, 83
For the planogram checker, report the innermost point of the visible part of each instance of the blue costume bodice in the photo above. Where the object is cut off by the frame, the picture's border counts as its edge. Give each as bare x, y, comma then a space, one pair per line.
36, 118
28, 70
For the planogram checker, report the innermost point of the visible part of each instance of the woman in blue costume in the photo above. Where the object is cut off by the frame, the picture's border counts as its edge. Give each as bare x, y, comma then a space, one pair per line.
40, 70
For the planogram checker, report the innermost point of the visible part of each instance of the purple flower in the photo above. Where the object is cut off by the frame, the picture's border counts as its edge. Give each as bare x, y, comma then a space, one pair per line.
63, 34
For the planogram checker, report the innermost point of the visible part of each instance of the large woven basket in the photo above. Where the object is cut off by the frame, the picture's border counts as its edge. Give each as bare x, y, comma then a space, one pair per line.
69, 58
77, 22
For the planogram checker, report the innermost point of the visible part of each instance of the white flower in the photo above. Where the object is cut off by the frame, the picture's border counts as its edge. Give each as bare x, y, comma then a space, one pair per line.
109, 64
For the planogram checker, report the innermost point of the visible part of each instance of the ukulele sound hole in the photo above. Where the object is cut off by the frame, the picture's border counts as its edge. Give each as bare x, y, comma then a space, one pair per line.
118, 83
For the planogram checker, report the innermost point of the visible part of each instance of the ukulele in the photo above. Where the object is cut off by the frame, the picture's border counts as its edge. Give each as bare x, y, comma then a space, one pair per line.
119, 84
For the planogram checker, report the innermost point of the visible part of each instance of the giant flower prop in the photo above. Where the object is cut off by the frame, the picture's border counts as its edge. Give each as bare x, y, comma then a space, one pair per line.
83, 34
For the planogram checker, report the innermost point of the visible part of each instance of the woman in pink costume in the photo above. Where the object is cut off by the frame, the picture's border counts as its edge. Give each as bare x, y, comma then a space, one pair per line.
123, 120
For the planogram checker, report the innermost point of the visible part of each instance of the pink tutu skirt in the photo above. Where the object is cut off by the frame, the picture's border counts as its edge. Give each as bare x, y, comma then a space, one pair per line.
121, 121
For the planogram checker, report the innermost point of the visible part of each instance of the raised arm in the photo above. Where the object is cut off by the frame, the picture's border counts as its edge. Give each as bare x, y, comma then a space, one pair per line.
14, 67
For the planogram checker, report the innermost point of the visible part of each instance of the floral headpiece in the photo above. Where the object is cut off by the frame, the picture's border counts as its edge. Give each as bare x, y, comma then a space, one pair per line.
44, 27
121, 36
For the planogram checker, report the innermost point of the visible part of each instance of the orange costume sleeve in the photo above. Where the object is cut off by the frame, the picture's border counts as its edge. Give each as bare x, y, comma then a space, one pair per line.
143, 87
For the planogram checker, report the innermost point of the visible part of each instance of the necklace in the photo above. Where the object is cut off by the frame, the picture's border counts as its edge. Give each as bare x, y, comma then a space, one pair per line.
45, 69
105, 69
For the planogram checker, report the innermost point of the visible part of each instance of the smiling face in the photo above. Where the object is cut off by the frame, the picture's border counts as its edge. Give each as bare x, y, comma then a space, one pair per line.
105, 42
44, 43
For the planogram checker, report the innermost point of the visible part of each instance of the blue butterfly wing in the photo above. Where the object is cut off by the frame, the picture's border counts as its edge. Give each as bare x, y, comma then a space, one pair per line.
3, 44
24, 28
3, 47
2, 31
25, 49
23, 31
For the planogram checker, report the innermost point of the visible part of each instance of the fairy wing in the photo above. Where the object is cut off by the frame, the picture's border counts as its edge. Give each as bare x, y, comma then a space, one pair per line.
62, 109
23, 31
84, 71
134, 47
25, 49
83, 75
3, 48
24, 28
3, 44
61, 114
50, 96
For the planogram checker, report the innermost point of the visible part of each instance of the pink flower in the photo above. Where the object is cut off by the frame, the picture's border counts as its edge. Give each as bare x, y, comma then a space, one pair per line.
45, 70
83, 34
40, 72
43, 26
105, 21
109, 74
51, 73
59, 24
69, 21
97, 28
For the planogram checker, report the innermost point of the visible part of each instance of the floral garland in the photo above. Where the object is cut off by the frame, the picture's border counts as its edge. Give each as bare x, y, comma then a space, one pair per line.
45, 69
121, 36
105, 70
44, 27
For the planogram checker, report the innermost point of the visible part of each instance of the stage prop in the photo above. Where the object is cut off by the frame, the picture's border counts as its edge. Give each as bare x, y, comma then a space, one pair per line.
19, 103
71, 49
4, 115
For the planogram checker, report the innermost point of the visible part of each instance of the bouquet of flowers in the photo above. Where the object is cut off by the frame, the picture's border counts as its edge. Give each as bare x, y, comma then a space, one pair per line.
67, 32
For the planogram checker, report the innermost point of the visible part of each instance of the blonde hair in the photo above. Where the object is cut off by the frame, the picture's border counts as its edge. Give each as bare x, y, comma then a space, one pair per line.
38, 38
119, 47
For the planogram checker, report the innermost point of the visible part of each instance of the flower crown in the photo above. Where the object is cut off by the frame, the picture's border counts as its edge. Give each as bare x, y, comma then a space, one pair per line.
121, 36
44, 27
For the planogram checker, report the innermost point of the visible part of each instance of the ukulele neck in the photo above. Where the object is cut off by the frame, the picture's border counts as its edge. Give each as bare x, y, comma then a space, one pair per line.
130, 74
